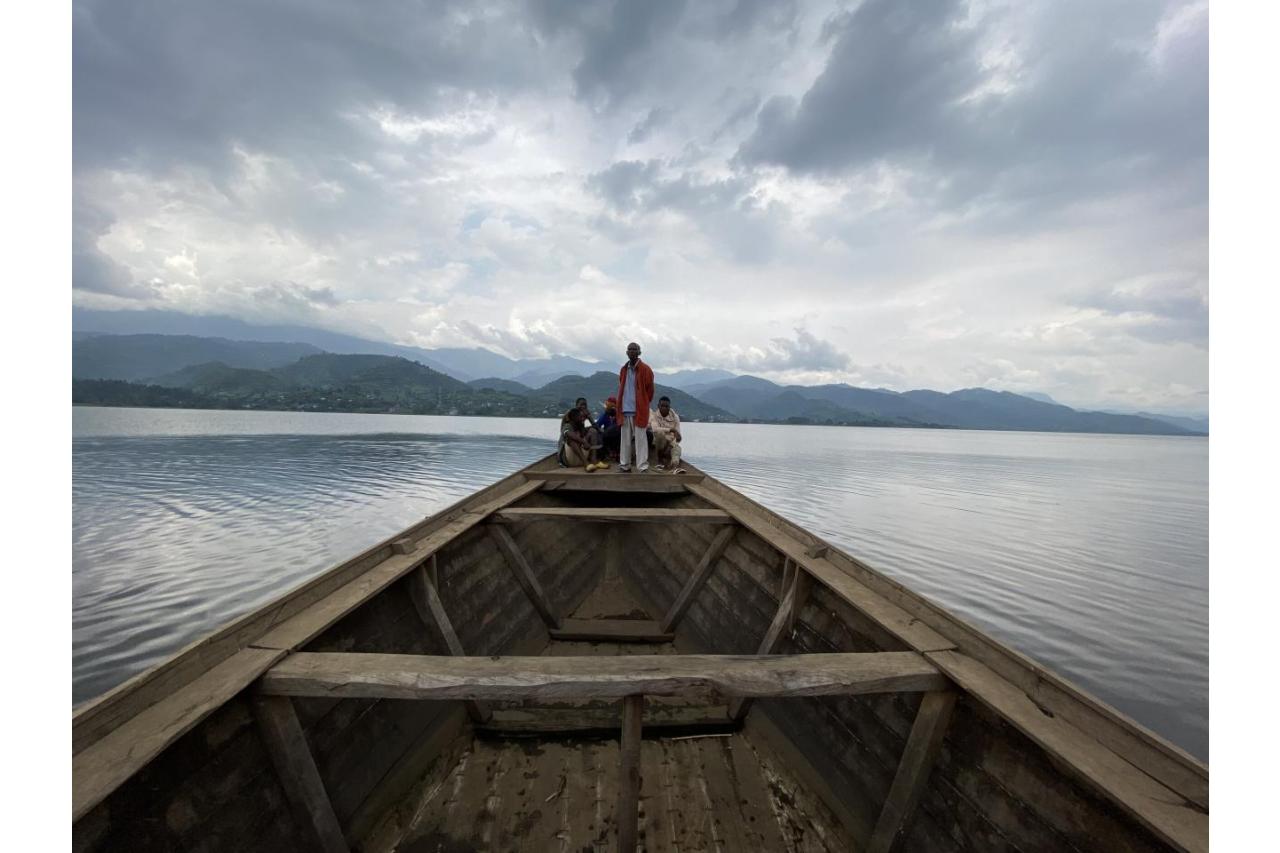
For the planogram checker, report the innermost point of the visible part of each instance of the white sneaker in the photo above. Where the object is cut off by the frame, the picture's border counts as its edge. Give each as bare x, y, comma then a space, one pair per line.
644, 469
659, 467
626, 469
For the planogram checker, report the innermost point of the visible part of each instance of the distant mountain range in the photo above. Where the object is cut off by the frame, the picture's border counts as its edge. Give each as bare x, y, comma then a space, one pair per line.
228, 373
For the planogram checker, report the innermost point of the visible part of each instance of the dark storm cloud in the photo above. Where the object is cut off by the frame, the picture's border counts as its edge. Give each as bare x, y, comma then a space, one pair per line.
183, 81
894, 73
1087, 107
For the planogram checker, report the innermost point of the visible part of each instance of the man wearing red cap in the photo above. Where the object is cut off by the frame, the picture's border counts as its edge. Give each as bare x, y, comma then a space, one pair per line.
609, 427
635, 394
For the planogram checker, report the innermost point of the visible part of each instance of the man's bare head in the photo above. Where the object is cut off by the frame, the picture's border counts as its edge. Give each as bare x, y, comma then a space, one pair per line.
633, 351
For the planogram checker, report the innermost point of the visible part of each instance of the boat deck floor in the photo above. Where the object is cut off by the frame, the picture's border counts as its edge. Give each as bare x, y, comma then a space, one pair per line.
714, 791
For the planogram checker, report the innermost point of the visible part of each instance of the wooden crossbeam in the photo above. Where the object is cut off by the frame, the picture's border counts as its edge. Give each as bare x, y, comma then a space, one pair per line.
783, 619
602, 722
699, 576
913, 769
628, 809
287, 746
524, 575
426, 600
611, 631
599, 514
633, 482
381, 676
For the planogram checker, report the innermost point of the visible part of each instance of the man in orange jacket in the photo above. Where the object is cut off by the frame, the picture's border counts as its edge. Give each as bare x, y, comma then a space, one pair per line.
635, 393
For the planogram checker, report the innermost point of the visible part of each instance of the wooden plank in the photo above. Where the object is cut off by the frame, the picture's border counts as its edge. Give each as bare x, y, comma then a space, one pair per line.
660, 720
701, 572
524, 575
96, 718
611, 631
1175, 819
278, 724
404, 546
898, 622
661, 515
426, 600
1140, 746
316, 619
374, 676
772, 636
634, 481
106, 764
628, 810
913, 770
631, 485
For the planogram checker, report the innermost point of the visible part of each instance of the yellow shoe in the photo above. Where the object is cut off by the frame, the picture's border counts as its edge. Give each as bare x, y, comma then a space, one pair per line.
591, 466
601, 466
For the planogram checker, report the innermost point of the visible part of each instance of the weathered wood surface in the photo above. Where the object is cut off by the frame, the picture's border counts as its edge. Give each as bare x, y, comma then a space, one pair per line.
653, 515
659, 719
310, 623
634, 481
612, 631
296, 769
1177, 821
903, 625
570, 678
696, 579
102, 767
913, 771
96, 718
629, 774
630, 485
525, 575
1141, 747
773, 635
426, 600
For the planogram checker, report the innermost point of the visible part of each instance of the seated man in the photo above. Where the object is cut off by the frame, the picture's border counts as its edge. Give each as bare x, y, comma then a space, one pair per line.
609, 425
665, 424
575, 450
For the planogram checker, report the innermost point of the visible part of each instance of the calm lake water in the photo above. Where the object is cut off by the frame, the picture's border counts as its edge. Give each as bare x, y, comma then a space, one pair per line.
1088, 553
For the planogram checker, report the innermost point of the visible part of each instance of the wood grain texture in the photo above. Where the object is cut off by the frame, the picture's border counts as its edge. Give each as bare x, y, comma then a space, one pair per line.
652, 515
103, 766
584, 678
634, 481
611, 631
909, 630
525, 575
696, 579
1176, 820
310, 623
629, 781
287, 746
97, 718
426, 600
913, 770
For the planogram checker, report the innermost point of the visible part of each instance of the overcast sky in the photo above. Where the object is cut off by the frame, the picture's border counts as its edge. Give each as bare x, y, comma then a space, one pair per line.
900, 194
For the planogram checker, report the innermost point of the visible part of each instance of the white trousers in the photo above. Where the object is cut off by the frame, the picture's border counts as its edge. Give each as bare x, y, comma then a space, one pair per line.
631, 431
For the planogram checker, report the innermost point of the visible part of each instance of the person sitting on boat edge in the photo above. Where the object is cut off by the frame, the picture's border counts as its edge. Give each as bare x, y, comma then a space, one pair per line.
575, 451
609, 427
665, 424
595, 437
635, 391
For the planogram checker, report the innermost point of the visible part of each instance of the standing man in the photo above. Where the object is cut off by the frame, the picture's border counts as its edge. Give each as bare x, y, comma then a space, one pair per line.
635, 390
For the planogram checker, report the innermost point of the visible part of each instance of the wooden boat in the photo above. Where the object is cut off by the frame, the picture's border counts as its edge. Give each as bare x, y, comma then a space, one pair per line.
578, 661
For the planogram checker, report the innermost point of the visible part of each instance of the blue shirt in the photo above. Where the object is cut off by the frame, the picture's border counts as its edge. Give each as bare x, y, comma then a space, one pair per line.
629, 390
606, 421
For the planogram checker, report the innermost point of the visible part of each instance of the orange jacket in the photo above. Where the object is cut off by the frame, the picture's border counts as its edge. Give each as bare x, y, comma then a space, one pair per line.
644, 392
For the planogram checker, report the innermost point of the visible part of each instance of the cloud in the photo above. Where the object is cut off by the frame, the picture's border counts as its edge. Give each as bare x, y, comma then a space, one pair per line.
909, 194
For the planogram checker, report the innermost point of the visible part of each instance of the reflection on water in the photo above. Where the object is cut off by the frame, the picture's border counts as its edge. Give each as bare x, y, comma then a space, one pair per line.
1088, 553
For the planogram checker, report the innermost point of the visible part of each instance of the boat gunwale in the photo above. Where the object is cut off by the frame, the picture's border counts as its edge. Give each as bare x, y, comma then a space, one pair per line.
968, 639
86, 714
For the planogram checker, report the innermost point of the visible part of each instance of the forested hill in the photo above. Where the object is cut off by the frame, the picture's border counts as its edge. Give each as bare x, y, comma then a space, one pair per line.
192, 372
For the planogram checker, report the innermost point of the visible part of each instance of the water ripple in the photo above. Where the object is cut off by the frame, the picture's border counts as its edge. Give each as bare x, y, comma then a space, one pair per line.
1088, 553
